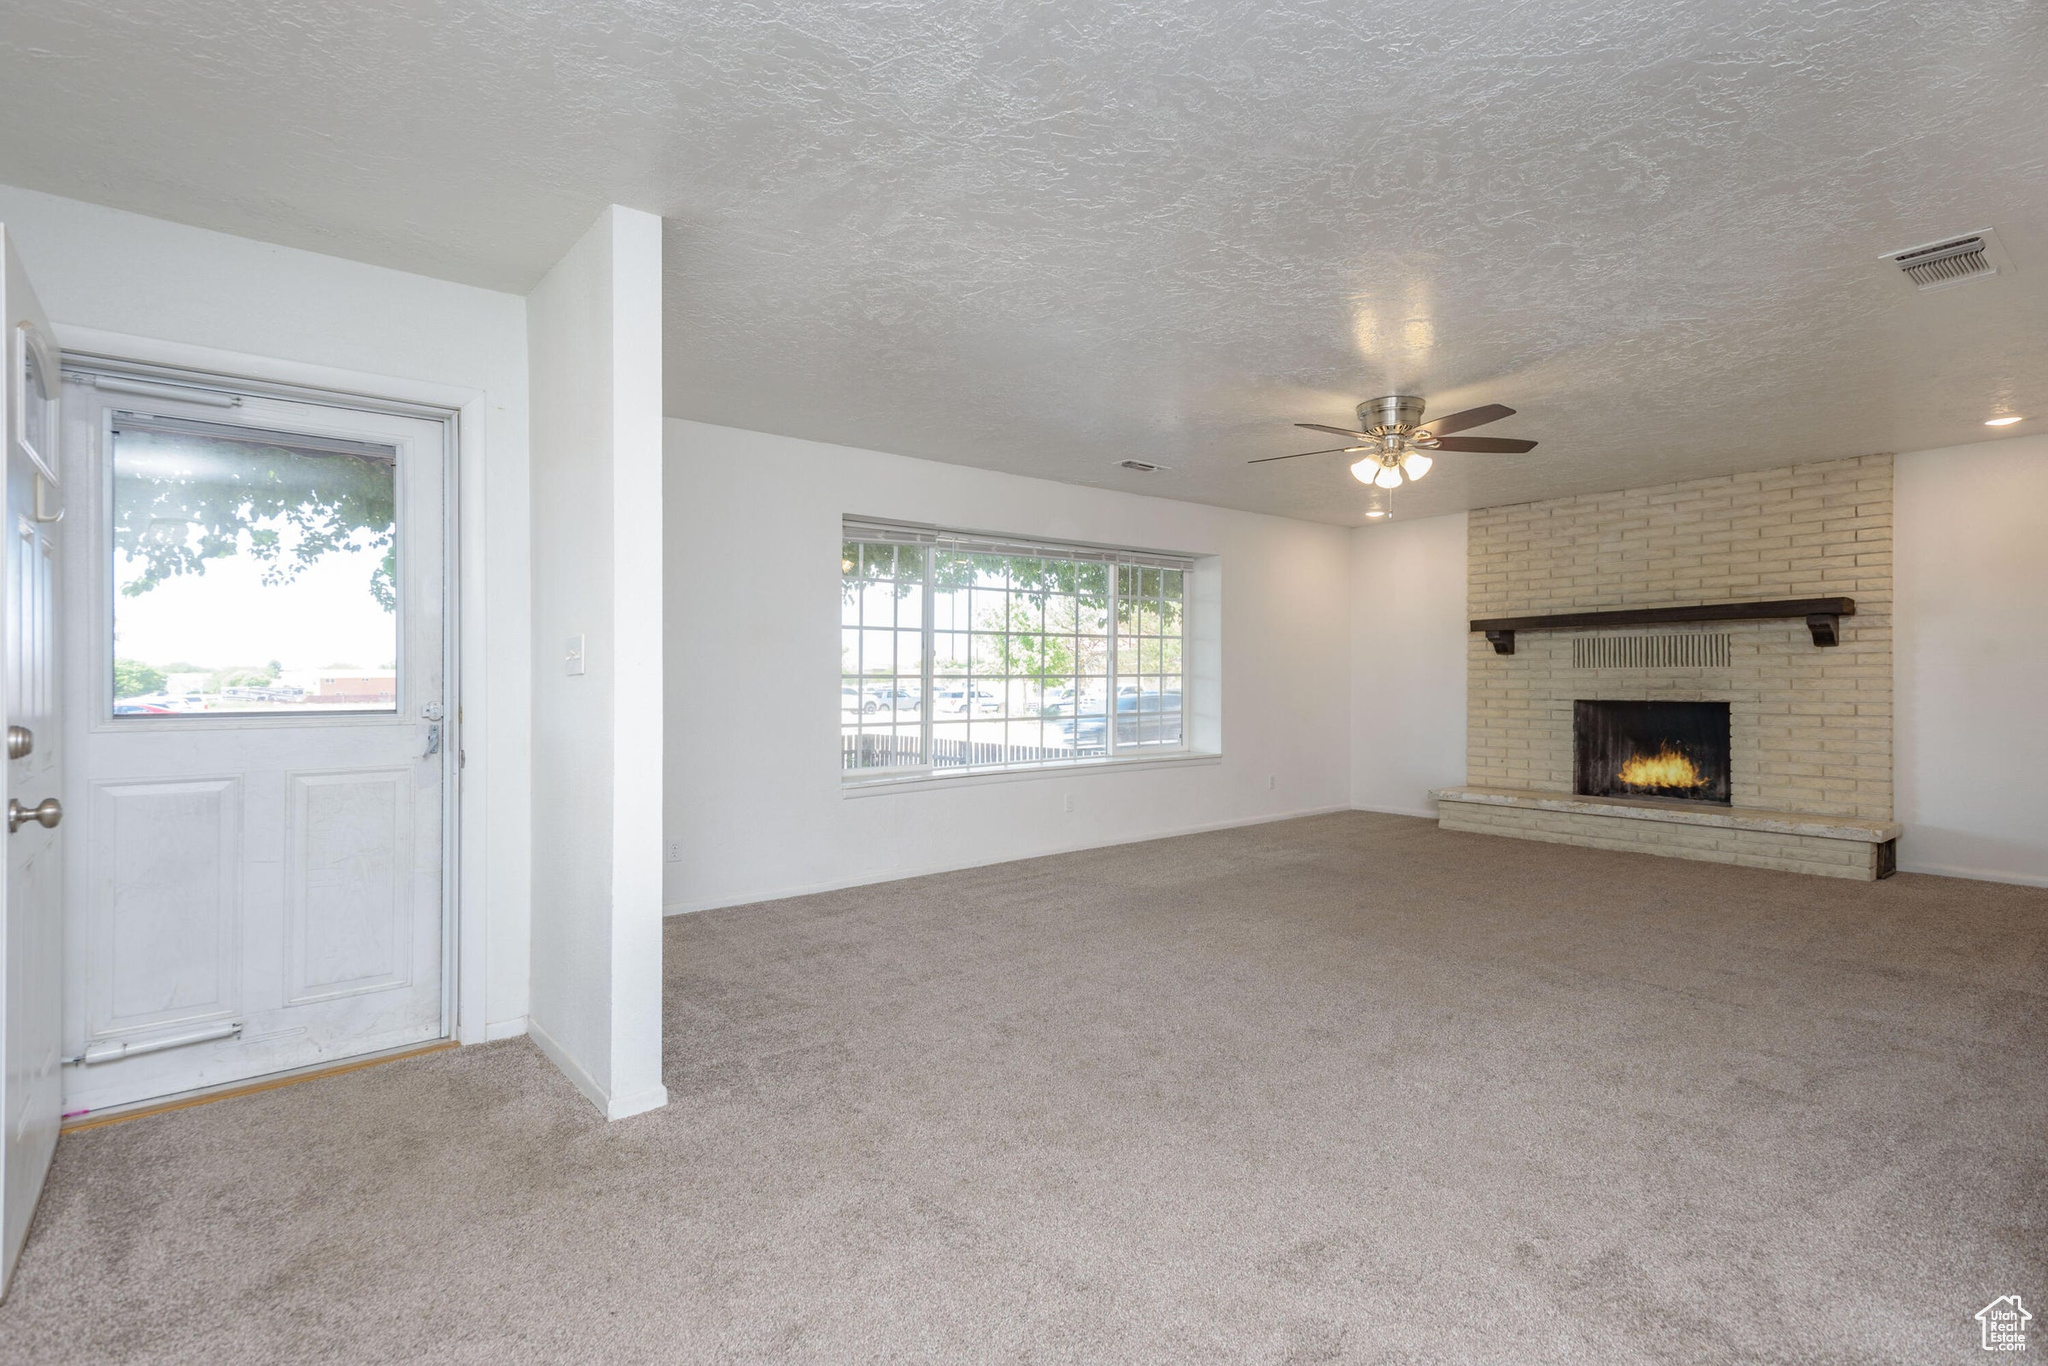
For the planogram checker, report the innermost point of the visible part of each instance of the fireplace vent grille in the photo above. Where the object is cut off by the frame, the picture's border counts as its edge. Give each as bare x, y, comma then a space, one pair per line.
1667, 650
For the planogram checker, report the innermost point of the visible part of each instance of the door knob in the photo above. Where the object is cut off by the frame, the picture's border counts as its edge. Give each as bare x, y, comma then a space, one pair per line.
46, 813
21, 742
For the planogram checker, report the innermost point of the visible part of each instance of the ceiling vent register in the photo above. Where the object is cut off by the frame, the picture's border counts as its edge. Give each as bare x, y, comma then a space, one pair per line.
1952, 261
1670, 650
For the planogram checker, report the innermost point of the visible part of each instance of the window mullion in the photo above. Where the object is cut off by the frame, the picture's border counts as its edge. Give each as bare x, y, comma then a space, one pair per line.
1110, 703
926, 700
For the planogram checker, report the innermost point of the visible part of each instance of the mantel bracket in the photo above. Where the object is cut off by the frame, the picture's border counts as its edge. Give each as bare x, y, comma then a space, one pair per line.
1503, 642
1826, 628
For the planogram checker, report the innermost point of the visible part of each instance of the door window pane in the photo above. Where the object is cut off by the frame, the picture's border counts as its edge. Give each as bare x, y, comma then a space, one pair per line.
253, 570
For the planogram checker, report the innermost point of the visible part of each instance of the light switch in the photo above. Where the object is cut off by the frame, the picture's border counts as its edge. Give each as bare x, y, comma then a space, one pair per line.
572, 656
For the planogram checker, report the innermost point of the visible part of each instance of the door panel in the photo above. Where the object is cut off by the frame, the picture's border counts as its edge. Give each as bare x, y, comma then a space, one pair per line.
165, 907
31, 913
254, 714
348, 884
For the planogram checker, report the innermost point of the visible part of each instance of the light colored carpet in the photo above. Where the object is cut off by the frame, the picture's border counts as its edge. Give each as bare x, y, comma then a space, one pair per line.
1347, 1088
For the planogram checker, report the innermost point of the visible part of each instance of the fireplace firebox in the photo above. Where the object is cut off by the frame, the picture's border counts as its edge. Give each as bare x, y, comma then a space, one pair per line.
1677, 750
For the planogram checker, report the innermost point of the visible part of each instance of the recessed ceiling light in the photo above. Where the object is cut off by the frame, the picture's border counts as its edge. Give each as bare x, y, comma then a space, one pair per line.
2002, 421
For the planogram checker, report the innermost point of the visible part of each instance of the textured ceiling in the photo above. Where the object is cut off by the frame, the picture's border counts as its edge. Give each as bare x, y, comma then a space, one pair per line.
1045, 237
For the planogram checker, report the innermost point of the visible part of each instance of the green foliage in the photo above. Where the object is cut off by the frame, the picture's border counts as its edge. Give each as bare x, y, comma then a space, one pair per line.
133, 678
181, 500
242, 678
863, 564
1041, 624
1027, 649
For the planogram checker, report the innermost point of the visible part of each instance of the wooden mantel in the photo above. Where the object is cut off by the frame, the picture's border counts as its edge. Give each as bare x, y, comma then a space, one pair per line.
1823, 618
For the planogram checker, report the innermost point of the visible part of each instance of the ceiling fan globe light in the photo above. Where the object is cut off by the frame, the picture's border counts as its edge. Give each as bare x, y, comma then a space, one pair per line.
1365, 469
1388, 478
1415, 464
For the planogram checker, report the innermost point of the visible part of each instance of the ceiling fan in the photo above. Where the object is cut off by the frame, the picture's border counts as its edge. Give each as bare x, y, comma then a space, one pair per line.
1395, 439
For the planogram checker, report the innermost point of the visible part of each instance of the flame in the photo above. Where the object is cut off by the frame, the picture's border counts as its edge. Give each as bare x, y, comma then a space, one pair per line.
1666, 768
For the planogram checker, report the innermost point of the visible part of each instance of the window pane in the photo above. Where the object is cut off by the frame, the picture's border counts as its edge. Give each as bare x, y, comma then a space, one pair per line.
878, 604
1020, 654
877, 653
252, 572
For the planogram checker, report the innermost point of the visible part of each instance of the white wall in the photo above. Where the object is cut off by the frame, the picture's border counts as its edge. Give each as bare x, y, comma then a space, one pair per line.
1408, 643
1970, 666
753, 654
595, 330
119, 283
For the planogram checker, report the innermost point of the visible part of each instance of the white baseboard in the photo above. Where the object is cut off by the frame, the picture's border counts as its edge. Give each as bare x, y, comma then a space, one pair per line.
900, 874
569, 1067
1426, 814
626, 1107
504, 1029
1974, 874
608, 1105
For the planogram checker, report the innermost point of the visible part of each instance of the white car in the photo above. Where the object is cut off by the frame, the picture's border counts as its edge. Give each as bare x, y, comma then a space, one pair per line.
959, 701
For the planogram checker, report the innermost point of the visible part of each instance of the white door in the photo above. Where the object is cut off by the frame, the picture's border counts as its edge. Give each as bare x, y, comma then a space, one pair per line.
259, 735
30, 1023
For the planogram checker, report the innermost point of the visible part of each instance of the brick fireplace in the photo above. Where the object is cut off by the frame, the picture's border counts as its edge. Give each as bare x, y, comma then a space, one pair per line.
1806, 757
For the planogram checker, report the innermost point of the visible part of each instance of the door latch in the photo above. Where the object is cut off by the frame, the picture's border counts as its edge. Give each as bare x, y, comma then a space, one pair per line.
46, 813
433, 740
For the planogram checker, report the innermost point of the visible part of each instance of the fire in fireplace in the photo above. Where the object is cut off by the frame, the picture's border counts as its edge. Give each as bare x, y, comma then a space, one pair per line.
1651, 749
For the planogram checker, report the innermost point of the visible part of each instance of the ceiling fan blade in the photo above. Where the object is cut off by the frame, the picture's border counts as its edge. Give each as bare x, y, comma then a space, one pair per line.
1471, 417
1495, 445
1335, 431
1267, 460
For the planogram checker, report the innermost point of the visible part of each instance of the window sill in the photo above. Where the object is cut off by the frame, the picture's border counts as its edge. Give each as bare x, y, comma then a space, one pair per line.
874, 787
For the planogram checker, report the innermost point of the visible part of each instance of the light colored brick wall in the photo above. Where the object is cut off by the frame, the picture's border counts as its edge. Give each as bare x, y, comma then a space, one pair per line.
1811, 727
1751, 848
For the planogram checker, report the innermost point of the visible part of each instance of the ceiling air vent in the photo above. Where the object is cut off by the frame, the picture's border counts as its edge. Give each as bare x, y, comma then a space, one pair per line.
1139, 465
1951, 261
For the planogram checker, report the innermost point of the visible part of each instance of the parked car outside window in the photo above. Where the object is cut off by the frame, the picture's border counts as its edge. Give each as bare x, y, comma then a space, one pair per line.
1142, 718
958, 700
891, 699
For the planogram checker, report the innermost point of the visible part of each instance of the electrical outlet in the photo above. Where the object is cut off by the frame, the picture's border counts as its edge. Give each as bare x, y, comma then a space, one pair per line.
1067, 802
675, 851
1271, 782
572, 656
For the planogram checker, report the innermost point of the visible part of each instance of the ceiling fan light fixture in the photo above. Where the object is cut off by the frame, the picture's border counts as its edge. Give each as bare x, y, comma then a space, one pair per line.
1394, 443
2001, 421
